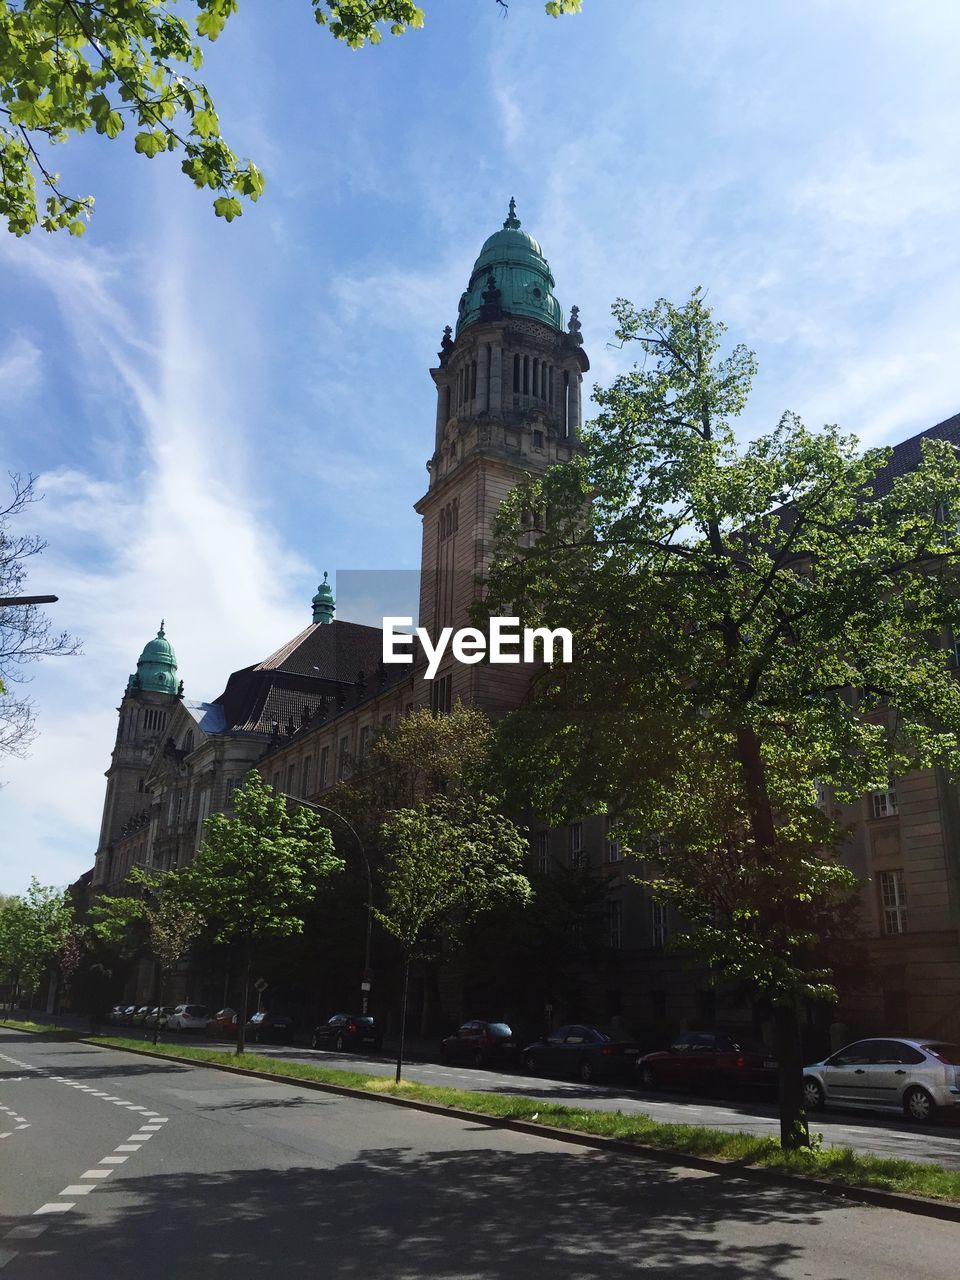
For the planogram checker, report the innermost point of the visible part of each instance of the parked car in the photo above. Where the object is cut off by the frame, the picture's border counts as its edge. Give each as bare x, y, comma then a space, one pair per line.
223, 1023
703, 1060
140, 1015
189, 1017
347, 1031
159, 1016
125, 1016
269, 1026
482, 1044
586, 1052
917, 1077
116, 1013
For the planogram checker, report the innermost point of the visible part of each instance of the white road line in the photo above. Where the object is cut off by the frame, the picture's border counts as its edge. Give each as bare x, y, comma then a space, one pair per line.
79, 1189
97, 1173
149, 1113
56, 1206
26, 1231
140, 1137
114, 1159
128, 1146
136, 1107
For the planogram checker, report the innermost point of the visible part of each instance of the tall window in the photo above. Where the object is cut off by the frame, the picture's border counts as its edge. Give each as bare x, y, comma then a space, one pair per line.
575, 837
441, 694
342, 758
307, 775
364, 742
615, 924
659, 923
291, 780
324, 768
541, 849
613, 846
893, 901
883, 804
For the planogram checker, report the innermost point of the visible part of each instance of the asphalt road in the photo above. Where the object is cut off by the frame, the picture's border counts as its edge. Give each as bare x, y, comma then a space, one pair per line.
877, 1134
196, 1173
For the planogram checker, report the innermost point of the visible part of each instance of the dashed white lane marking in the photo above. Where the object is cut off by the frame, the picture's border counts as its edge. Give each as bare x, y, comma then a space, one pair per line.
79, 1189
129, 1146
114, 1159
97, 1173
26, 1231
55, 1206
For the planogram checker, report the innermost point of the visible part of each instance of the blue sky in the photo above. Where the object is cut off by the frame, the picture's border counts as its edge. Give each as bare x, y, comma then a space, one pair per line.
219, 413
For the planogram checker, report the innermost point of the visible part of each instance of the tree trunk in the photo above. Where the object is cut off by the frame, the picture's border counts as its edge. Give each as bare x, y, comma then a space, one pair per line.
794, 1129
403, 1015
247, 964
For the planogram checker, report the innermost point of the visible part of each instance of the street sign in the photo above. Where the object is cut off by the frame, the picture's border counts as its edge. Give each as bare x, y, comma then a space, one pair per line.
364, 986
261, 984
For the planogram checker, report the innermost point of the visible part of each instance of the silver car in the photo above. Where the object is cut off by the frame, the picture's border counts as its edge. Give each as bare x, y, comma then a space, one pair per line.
917, 1077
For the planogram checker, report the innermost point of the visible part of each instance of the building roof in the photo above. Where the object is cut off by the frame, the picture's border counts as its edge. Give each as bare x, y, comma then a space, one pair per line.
906, 455
511, 266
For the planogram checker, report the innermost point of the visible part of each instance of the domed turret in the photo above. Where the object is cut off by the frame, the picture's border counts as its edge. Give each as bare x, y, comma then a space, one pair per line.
511, 267
323, 602
157, 666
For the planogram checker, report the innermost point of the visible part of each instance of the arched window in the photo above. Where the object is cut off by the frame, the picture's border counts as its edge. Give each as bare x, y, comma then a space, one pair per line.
516, 375
526, 375
550, 384
473, 380
187, 745
536, 377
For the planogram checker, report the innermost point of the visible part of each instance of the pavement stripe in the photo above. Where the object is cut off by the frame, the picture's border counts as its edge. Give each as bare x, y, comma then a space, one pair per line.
140, 1137
56, 1206
27, 1231
79, 1189
128, 1146
114, 1159
97, 1173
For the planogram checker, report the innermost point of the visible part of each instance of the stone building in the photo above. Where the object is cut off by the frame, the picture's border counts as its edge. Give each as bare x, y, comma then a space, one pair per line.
509, 403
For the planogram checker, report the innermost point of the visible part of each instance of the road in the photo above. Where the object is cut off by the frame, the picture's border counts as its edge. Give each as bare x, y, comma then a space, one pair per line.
878, 1134
197, 1173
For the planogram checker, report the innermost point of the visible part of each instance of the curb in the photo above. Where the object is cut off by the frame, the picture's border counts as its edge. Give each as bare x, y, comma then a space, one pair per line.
917, 1205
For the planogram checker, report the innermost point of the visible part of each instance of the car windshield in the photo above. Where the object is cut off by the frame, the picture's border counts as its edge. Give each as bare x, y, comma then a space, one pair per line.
499, 1029
195, 1011
949, 1053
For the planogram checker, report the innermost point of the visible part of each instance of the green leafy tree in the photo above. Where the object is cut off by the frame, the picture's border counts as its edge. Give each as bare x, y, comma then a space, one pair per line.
447, 862
154, 918
68, 66
255, 874
33, 928
750, 619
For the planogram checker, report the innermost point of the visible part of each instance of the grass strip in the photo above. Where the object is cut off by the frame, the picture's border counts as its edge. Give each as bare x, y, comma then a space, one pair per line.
833, 1164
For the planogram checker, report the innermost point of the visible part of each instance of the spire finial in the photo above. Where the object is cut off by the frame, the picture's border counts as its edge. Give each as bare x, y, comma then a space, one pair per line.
323, 602
512, 222
161, 631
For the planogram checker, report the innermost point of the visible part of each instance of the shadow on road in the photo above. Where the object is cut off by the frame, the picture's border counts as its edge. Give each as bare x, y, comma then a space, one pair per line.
391, 1214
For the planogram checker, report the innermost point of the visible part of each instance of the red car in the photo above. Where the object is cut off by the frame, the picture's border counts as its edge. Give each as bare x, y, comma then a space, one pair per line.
703, 1060
482, 1044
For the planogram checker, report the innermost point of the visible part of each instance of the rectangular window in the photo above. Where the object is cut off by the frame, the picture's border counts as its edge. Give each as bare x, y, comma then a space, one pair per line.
893, 901
575, 836
276, 781
386, 723
307, 775
659, 923
291, 779
324, 768
364, 742
883, 804
441, 695
541, 850
615, 925
614, 849
538, 439
342, 758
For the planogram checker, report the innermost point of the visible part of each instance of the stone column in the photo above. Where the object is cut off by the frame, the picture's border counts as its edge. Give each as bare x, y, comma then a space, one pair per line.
483, 375
575, 378
496, 379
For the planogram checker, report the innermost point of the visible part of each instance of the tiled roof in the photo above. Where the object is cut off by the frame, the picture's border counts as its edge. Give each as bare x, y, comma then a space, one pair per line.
906, 454
332, 650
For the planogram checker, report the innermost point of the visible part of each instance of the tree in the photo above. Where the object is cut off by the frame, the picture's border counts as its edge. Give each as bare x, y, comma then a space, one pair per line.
255, 874
448, 861
155, 917
33, 928
26, 634
67, 66
751, 621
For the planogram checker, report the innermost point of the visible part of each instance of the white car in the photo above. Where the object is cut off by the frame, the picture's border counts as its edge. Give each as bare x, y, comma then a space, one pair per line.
916, 1077
189, 1017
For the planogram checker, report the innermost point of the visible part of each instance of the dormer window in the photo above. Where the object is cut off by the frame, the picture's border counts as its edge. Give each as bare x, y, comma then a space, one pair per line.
538, 439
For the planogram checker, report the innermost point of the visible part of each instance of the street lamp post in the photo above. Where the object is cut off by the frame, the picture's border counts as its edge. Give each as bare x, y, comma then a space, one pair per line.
323, 808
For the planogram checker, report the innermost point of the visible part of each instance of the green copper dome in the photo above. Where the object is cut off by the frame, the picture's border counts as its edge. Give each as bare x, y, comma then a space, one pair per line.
157, 666
323, 602
511, 264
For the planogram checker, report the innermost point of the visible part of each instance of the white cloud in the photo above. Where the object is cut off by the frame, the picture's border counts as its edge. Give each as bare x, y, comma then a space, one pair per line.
20, 369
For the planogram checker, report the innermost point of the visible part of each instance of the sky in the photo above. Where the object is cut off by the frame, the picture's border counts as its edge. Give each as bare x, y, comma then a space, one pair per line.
218, 413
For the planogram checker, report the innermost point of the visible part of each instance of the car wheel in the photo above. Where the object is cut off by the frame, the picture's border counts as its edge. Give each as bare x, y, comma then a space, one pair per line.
314, 1041
530, 1064
339, 1044
478, 1059
585, 1072
648, 1078
918, 1105
813, 1099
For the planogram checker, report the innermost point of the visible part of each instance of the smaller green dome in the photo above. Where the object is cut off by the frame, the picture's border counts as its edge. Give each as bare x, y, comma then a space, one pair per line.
157, 666
323, 602
512, 265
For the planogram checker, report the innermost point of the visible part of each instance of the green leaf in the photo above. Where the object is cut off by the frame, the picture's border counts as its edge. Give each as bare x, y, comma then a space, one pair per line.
227, 207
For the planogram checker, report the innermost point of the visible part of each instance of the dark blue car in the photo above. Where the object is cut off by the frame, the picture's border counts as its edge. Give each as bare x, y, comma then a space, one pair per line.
585, 1052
